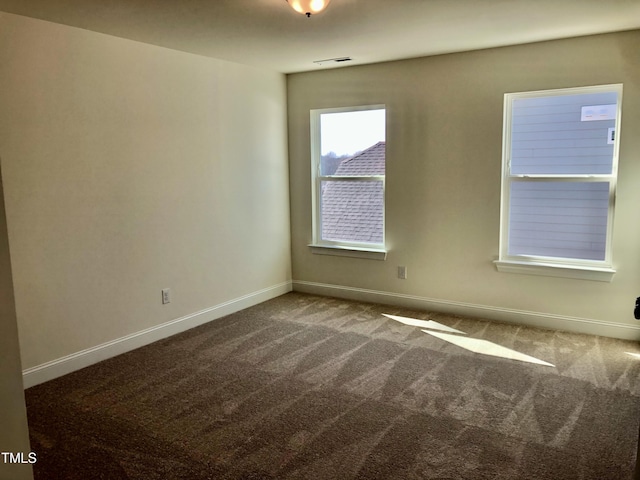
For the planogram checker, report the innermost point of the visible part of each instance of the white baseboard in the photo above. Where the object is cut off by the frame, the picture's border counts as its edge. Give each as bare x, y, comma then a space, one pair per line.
521, 317
62, 366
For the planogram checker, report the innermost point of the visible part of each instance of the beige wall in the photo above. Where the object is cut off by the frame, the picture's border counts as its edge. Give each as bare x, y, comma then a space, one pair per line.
130, 168
14, 436
444, 140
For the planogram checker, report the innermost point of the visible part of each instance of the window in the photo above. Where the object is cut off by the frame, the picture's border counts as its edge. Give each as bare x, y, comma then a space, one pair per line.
560, 156
348, 152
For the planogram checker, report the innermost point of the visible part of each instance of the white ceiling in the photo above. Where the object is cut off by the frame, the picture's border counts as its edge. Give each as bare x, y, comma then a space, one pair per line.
269, 34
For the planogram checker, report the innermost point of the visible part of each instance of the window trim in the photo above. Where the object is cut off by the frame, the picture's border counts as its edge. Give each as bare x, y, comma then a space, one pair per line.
375, 251
600, 270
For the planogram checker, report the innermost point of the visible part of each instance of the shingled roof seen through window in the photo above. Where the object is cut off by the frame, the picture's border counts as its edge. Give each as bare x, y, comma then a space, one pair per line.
353, 211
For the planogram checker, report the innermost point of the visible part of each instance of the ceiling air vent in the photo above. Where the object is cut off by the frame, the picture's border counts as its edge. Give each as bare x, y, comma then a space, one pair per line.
332, 60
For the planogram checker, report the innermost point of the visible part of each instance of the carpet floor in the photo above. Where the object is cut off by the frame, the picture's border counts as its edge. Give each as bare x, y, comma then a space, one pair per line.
308, 387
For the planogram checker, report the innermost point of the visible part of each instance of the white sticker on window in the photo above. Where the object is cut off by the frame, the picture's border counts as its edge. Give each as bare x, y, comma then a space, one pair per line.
592, 113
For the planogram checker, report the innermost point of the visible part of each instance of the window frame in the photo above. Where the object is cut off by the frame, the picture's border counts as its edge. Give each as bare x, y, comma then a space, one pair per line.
600, 270
319, 245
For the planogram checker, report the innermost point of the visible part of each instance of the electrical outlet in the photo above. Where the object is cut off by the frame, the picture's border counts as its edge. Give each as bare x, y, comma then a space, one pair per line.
402, 273
166, 296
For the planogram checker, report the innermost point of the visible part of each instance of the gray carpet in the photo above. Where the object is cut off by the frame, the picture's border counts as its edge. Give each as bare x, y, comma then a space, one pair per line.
307, 387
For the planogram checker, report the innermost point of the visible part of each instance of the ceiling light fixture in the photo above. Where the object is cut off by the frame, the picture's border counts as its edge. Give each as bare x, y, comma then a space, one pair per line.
307, 7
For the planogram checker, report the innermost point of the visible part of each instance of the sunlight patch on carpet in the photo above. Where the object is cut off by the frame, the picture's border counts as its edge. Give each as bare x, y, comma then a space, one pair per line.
487, 348
415, 322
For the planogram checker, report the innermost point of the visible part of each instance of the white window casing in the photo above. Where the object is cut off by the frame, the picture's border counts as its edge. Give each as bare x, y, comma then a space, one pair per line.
559, 173
355, 237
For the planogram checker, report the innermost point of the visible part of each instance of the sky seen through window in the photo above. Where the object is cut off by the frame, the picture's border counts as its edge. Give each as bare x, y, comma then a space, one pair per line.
346, 133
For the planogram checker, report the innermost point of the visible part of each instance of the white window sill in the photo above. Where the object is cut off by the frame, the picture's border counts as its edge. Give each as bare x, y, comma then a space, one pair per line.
356, 252
599, 274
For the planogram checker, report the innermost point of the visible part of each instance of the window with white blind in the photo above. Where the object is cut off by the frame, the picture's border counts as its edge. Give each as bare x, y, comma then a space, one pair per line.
560, 155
